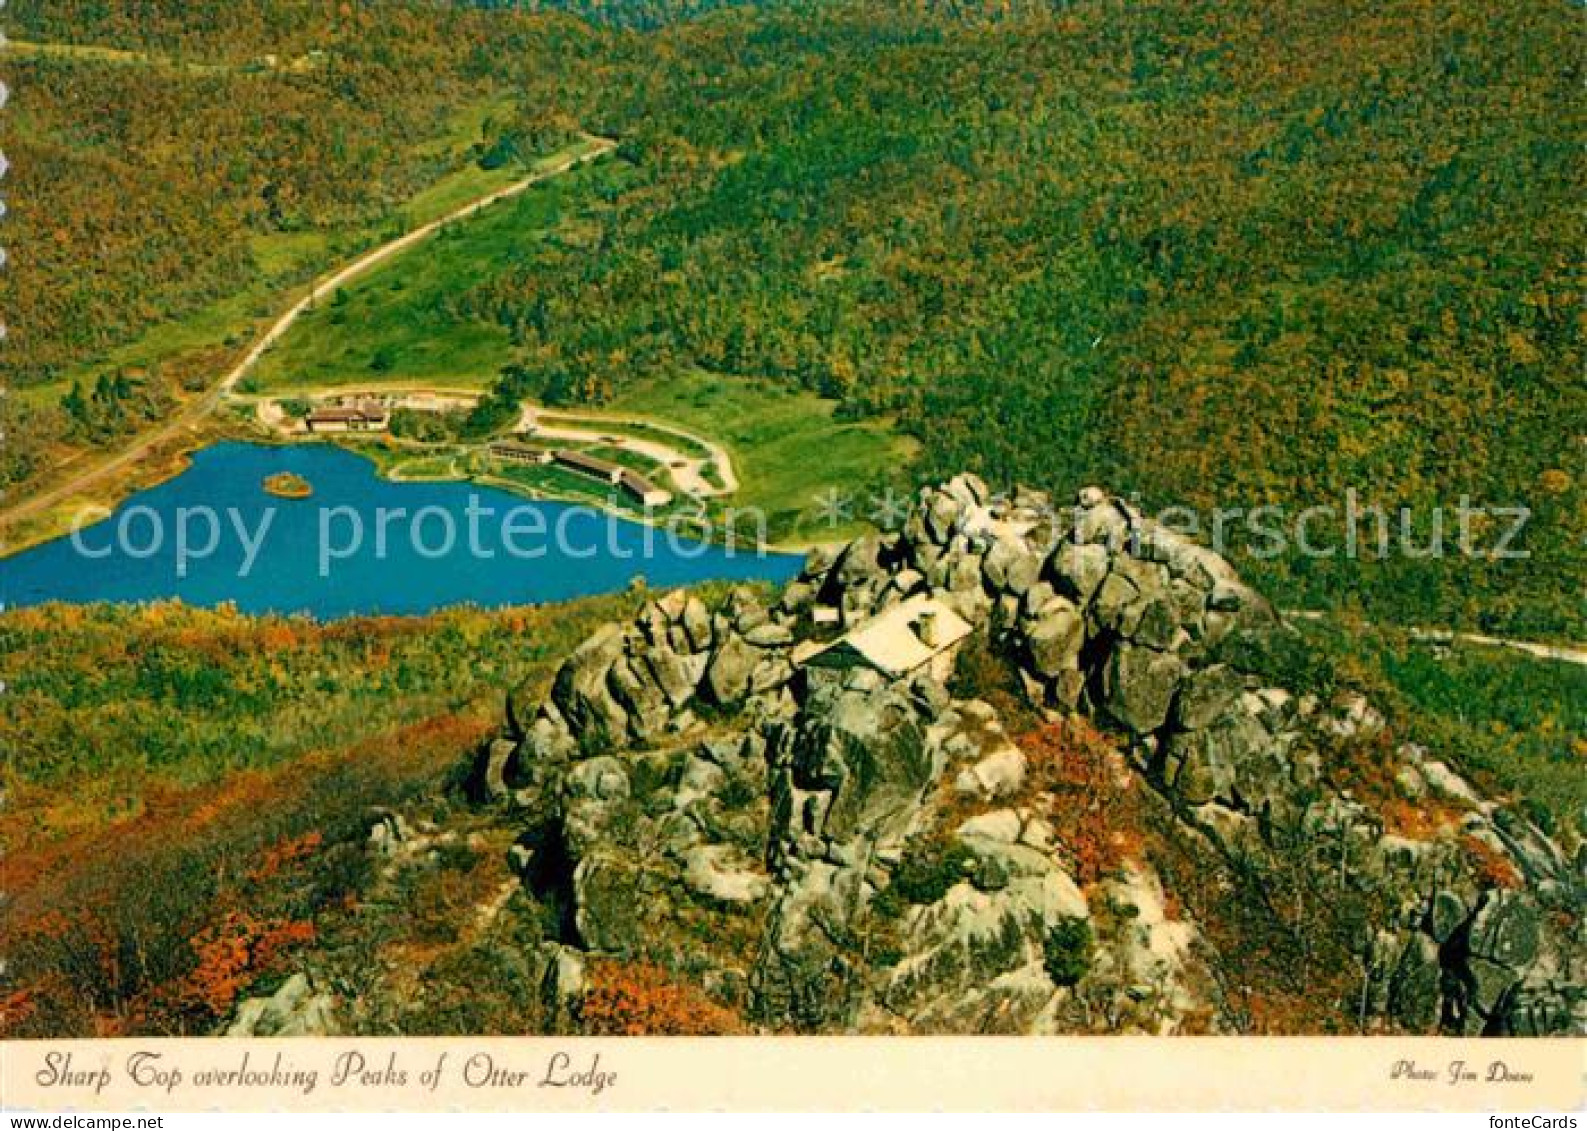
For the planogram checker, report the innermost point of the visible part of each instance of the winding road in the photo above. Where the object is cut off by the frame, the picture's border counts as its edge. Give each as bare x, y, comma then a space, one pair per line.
1564, 654
194, 413
688, 472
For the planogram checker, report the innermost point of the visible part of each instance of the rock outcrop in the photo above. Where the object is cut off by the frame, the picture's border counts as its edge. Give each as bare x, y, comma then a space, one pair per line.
833, 848
296, 1009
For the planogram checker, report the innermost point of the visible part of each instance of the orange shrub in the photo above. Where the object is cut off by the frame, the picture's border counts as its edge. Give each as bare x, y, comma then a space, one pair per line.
638, 999
1367, 767
284, 855
1089, 793
232, 953
1491, 868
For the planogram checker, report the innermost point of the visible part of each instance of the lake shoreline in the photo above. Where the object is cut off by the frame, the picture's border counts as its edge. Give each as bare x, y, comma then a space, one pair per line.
140, 477
372, 545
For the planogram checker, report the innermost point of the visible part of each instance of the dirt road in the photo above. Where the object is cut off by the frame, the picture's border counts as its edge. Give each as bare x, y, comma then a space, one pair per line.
194, 413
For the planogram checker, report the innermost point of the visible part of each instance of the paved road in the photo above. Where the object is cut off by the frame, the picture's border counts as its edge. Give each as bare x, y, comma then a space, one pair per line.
193, 414
686, 470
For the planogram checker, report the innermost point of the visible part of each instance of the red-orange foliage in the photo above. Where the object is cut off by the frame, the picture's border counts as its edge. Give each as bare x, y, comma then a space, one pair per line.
638, 999
1367, 767
1491, 868
1089, 793
16, 1007
285, 855
154, 934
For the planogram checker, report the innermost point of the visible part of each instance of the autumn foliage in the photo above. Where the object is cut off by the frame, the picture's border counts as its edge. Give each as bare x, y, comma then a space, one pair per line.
1489, 866
1078, 774
638, 999
234, 952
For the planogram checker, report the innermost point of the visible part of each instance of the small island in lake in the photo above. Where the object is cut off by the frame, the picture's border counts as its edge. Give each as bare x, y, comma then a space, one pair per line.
287, 485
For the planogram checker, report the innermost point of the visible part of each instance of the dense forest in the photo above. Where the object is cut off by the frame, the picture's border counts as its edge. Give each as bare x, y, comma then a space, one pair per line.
1217, 256
1213, 255
139, 178
1220, 256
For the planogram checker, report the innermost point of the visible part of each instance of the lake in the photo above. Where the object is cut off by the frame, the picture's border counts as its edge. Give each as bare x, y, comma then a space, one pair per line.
359, 544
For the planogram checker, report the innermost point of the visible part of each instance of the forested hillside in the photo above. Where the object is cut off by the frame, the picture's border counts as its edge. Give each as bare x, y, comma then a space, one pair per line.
619, 13
1218, 255
173, 169
1214, 255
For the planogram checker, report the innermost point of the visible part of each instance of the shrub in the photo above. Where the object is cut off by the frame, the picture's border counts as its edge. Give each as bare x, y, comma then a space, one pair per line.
639, 999
1283, 658
929, 867
1066, 950
1367, 766
233, 953
981, 672
1091, 801
1490, 868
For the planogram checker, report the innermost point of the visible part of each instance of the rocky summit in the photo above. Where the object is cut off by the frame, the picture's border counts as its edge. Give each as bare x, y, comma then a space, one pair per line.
1016, 767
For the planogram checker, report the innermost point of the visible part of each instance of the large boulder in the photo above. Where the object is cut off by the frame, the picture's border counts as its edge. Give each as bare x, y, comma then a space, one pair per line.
581, 692
1139, 684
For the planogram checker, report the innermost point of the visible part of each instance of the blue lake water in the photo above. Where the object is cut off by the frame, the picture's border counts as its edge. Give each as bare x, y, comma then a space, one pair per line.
361, 544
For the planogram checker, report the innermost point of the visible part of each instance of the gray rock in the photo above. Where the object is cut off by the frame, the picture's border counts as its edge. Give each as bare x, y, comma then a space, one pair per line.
1078, 570
677, 676
1117, 604
1011, 566
727, 678
745, 611
943, 513
797, 597
719, 871
1158, 624
1207, 696
969, 489
1139, 686
1445, 916
1505, 930
490, 768
769, 636
1415, 990
1001, 825
1054, 640
1036, 598
609, 903
998, 774
1487, 983
633, 687
294, 1010
696, 624
580, 690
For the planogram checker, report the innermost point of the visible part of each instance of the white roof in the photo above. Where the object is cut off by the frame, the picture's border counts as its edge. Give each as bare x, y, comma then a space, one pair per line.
891, 640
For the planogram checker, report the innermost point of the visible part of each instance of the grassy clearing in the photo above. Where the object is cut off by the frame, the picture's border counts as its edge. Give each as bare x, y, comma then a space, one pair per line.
395, 326
787, 448
395, 321
207, 340
634, 461
557, 483
95, 53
